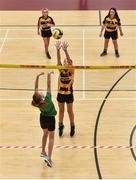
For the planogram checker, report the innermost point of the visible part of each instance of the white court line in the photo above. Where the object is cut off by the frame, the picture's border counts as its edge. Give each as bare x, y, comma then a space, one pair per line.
4, 40
80, 38
66, 29
79, 29
88, 99
83, 65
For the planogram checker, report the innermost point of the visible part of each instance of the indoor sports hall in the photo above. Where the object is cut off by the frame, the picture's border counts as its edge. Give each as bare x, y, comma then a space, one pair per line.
104, 144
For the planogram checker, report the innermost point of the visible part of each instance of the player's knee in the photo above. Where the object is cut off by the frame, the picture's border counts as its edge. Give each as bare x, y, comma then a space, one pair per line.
70, 111
45, 133
61, 110
51, 137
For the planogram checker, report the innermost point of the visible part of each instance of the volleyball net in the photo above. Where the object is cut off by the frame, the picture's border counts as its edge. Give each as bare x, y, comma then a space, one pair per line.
65, 67
90, 82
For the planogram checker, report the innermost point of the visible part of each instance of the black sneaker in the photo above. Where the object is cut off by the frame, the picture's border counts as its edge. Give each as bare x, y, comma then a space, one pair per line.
48, 55
72, 131
61, 127
104, 53
117, 55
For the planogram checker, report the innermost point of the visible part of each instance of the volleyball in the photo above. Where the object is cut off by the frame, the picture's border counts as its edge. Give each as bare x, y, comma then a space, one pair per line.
57, 33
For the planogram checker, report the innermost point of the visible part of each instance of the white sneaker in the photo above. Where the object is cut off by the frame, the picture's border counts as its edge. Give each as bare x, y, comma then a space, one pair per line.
43, 155
48, 161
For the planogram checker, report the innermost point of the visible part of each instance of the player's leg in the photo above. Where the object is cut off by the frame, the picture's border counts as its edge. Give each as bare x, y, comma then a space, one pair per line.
106, 43
43, 124
116, 48
51, 143
69, 101
71, 118
48, 159
61, 117
61, 104
46, 46
44, 141
115, 43
51, 132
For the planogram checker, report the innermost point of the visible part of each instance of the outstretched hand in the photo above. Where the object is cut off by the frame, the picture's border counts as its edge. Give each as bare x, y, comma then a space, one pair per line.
58, 45
65, 45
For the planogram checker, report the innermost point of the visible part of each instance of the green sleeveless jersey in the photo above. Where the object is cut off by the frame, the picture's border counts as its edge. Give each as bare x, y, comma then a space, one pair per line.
50, 109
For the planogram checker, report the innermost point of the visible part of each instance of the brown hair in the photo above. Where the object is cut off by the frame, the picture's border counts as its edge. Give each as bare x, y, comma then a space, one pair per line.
36, 99
116, 14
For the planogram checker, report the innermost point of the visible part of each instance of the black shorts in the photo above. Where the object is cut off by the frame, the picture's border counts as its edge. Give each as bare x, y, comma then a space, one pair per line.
47, 33
65, 98
47, 122
113, 35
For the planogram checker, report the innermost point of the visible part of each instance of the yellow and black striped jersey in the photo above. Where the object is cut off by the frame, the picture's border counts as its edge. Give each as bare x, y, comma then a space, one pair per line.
65, 82
111, 24
42, 22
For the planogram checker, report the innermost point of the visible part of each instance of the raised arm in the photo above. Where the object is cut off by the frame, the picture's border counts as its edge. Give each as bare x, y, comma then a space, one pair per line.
49, 81
58, 47
64, 47
37, 82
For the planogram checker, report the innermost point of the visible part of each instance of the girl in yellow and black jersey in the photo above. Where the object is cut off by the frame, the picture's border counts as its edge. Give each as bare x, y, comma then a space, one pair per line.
65, 88
111, 24
45, 23
65, 82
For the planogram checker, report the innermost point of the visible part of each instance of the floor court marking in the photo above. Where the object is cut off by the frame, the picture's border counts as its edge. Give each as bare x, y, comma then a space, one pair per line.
83, 72
83, 37
28, 38
131, 139
79, 29
70, 147
4, 40
88, 99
